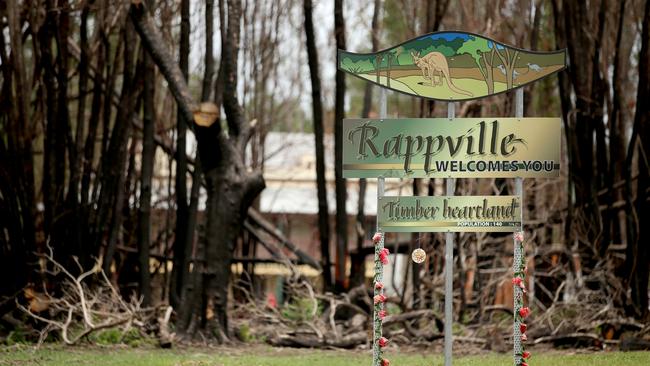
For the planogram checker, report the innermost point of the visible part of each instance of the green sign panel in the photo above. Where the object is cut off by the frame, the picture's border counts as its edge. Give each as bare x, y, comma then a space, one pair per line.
459, 148
450, 213
452, 66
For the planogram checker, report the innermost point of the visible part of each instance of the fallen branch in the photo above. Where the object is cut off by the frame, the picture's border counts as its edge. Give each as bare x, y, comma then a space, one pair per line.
95, 309
565, 338
312, 341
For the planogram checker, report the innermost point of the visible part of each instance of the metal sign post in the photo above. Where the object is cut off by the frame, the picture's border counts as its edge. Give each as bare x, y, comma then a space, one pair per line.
379, 246
449, 264
441, 66
519, 252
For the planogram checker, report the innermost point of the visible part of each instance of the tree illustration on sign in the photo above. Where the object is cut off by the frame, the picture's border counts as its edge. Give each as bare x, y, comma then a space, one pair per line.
480, 50
508, 60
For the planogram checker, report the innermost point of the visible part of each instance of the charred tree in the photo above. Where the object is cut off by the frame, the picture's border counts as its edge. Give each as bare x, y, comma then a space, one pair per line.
180, 244
112, 192
230, 186
358, 268
111, 198
582, 36
192, 290
341, 191
146, 174
637, 259
617, 129
17, 185
321, 184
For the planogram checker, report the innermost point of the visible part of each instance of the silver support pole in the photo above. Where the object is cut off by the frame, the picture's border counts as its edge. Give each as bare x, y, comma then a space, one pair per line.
518, 247
379, 269
383, 106
449, 264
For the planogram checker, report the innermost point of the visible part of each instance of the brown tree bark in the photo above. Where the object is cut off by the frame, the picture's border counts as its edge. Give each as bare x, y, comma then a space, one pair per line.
321, 185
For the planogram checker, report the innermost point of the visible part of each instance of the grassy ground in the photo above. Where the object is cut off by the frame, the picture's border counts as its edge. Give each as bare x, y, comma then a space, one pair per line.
266, 356
417, 85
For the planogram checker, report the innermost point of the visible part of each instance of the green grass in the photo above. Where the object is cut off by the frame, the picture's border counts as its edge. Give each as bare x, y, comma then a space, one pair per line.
417, 85
266, 356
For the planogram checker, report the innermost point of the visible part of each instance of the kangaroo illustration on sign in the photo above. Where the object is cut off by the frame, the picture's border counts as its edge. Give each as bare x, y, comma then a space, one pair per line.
480, 66
433, 63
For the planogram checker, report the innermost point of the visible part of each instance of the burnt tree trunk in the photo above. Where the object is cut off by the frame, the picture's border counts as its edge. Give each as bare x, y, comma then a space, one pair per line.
564, 87
617, 127
111, 199
638, 254
358, 263
584, 55
341, 194
17, 205
118, 148
231, 187
178, 272
74, 215
148, 160
323, 211
192, 285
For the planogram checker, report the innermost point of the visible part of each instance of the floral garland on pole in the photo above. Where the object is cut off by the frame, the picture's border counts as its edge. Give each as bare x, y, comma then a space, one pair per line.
521, 312
380, 312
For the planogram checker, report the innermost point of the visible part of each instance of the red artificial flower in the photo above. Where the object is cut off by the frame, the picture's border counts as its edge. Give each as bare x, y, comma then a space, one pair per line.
379, 298
376, 238
524, 312
383, 256
379, 285
526, 354
523, 327
385, 362
523, 363
519, 236
383, 342
524, 337
271, 301
517, 281
382, 314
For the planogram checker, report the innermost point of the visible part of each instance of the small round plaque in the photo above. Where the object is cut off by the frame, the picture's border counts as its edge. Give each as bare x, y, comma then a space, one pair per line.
418, 255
